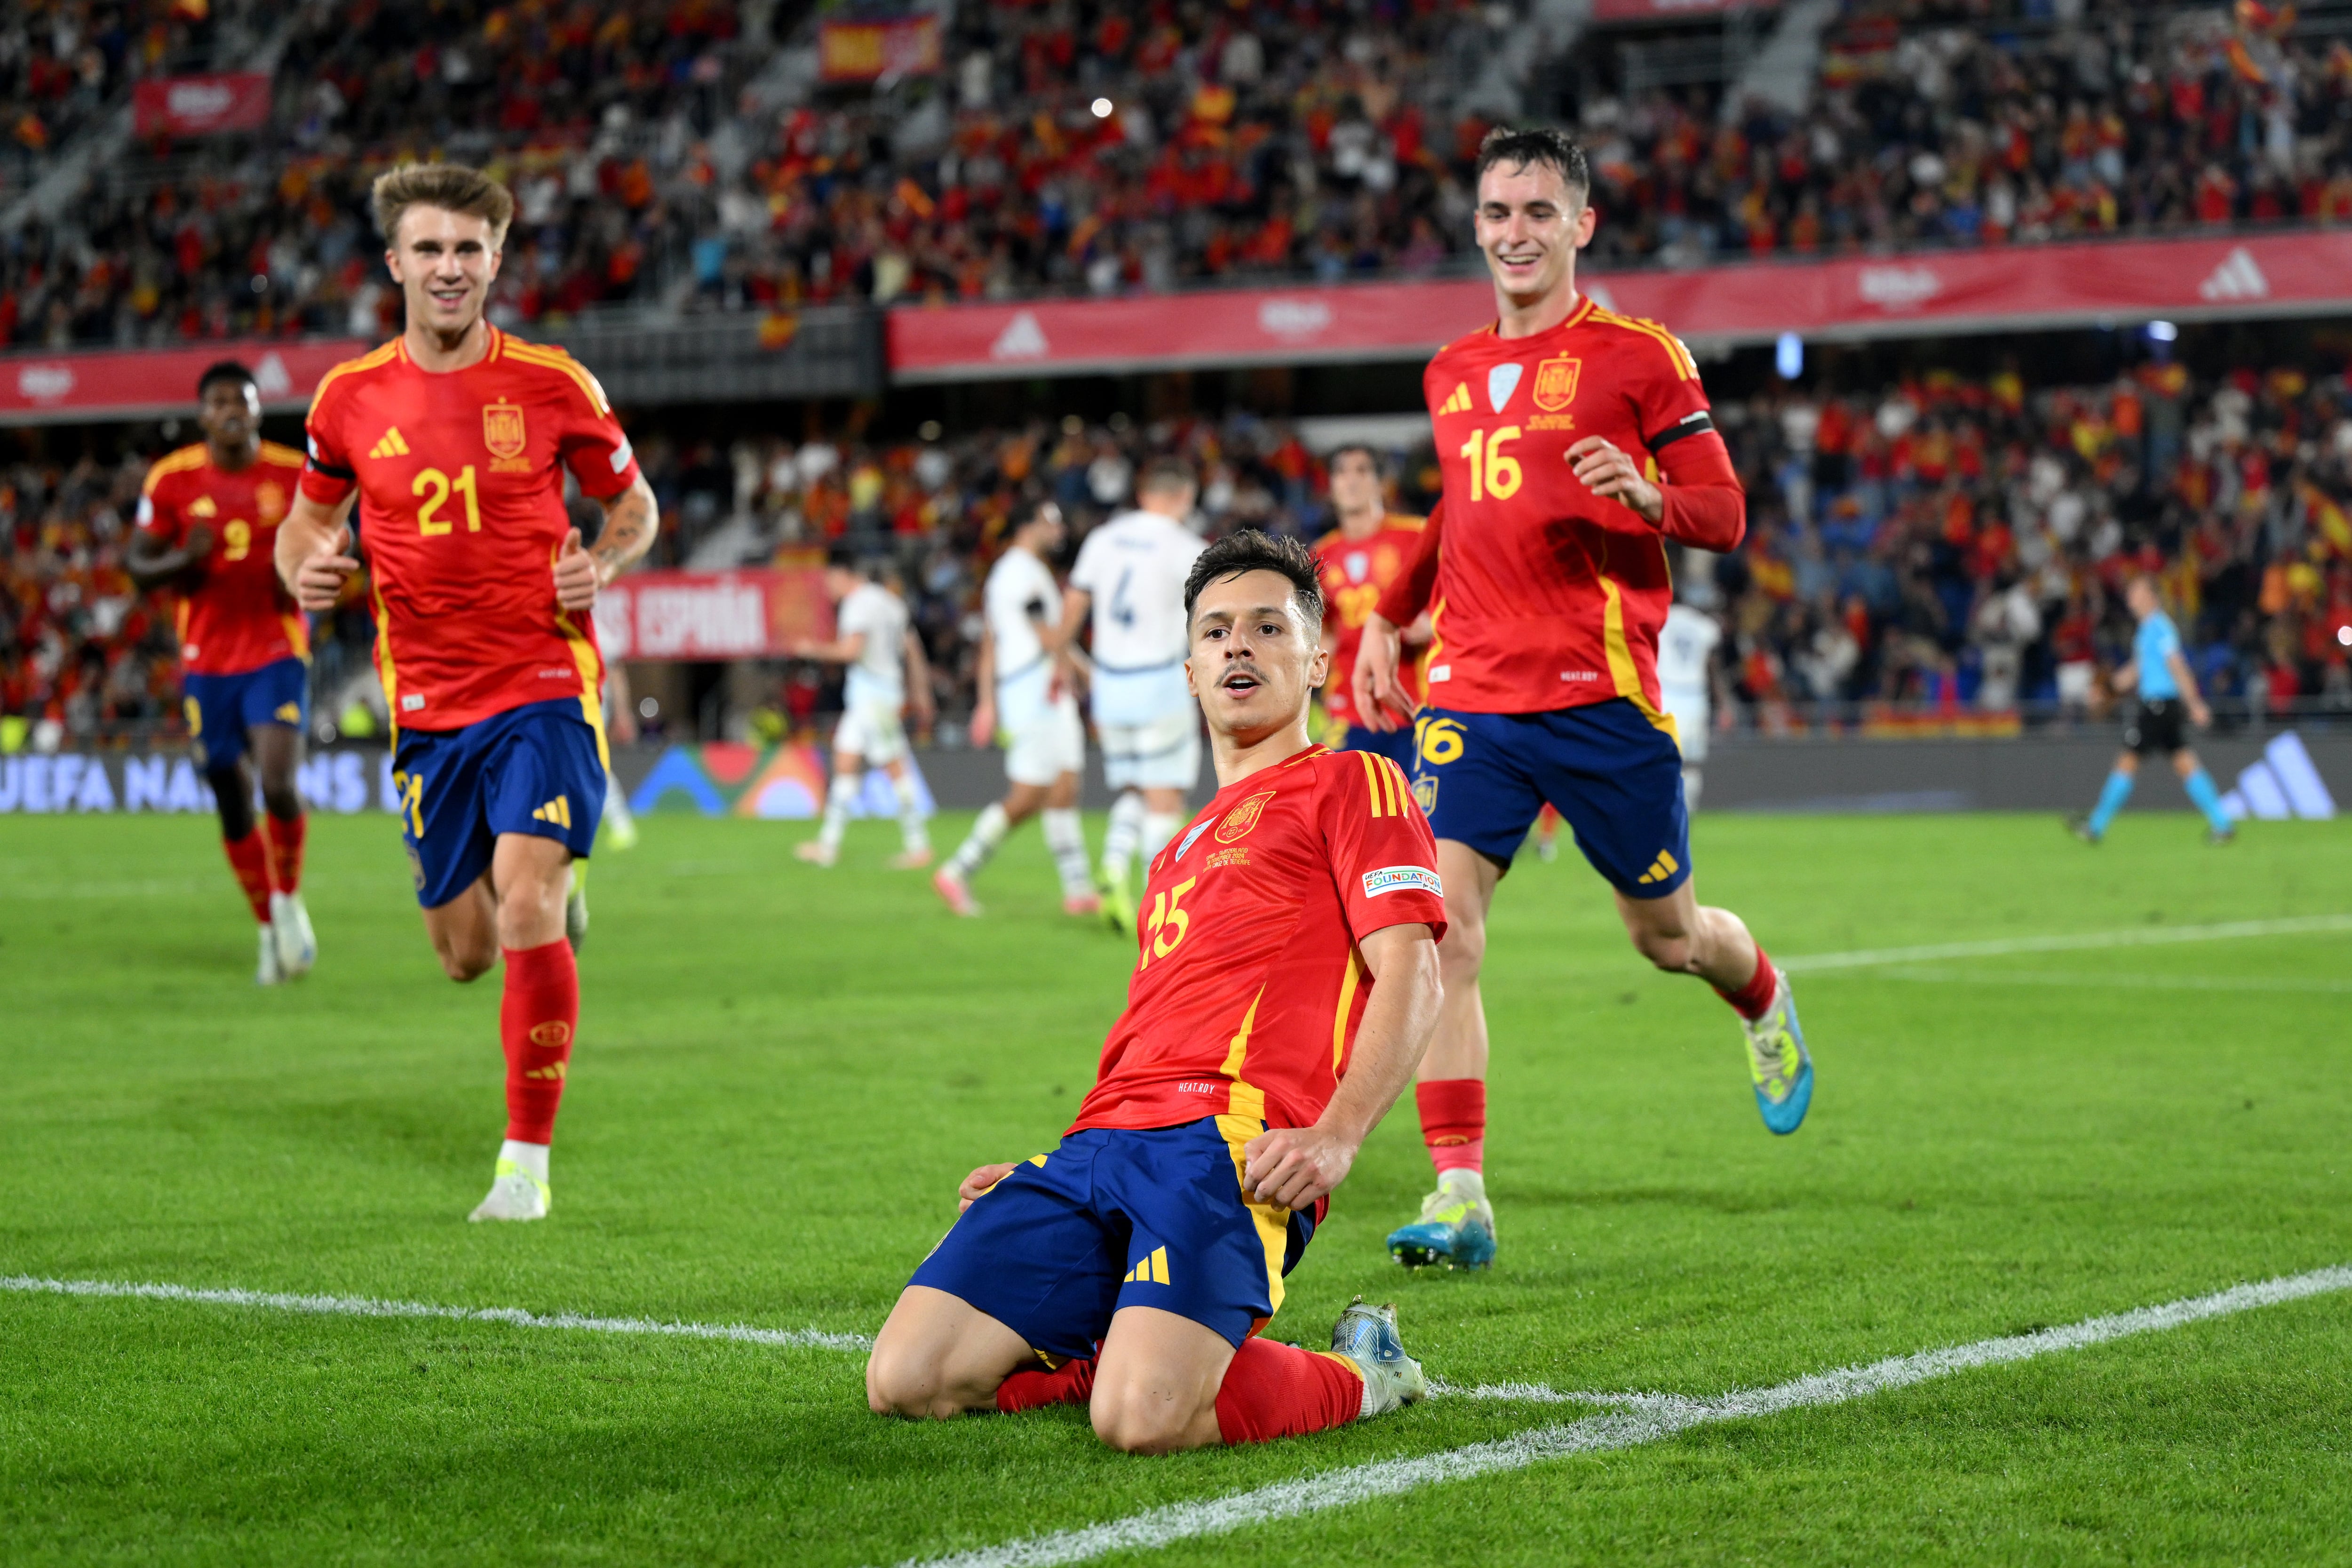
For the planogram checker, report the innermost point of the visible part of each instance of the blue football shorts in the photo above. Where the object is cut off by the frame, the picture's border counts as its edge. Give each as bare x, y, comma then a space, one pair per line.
1615, 776
1116, 1219
221, 707
1396, 745
536, 769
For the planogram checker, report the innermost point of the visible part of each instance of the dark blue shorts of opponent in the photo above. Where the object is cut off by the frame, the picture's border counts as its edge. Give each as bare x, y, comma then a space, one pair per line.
536, 769
1115, 1218
1613, 774
1396, 745
222, 707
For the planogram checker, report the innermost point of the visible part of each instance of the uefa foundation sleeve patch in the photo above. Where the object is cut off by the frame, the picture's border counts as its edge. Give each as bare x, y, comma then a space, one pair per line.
1389, 879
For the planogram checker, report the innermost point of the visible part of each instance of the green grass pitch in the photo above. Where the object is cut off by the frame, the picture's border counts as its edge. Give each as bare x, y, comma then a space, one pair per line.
783, 1072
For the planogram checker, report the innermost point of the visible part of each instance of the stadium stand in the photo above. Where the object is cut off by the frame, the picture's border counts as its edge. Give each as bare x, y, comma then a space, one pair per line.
1938, 546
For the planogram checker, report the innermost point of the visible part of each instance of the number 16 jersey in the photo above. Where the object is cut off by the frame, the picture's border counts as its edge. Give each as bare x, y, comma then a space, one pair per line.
461, 515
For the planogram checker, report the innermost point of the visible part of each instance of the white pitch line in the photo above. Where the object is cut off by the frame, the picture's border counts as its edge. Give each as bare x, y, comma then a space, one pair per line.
2140, 936
1648, 1422
2115, 982
371, 1306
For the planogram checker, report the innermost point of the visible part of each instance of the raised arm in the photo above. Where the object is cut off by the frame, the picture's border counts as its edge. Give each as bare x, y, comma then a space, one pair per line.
1293, 1166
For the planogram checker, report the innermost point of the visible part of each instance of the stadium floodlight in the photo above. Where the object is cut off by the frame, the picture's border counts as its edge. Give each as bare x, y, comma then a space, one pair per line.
1789, 357
2162, 332
1102, 108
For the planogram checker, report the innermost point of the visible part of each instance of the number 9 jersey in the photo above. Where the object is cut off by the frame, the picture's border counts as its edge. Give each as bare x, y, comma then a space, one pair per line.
461, 515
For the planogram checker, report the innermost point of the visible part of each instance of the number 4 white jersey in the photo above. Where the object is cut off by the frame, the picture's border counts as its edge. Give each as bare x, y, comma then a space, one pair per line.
1134, 568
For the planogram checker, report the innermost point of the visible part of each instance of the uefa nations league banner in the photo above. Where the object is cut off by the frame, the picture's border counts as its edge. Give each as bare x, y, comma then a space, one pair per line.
2011, 285
347, 779
721, 779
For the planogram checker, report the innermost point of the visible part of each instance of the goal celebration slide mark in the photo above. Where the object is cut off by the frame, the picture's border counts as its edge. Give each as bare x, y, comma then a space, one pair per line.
1644, 1419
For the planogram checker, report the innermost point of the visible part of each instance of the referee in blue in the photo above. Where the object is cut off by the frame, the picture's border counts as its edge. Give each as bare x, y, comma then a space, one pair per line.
2167, 695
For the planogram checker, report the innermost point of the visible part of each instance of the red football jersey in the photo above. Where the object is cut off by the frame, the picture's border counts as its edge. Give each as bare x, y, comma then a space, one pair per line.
461, 514
1356, 573
1546, 595
239, 616
1248, 986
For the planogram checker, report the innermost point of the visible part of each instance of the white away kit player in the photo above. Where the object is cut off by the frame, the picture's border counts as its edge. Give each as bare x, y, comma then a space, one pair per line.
1130, 577
1025, 698
1687, 679
874, 636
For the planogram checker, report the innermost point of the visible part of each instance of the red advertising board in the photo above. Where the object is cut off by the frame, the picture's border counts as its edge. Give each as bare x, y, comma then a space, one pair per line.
36, 389
753, 613
201, 105
1960, 291
867, 51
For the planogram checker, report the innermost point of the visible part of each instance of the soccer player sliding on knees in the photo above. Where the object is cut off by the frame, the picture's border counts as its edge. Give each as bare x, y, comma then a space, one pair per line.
458, 435
1574, 443
1286, 981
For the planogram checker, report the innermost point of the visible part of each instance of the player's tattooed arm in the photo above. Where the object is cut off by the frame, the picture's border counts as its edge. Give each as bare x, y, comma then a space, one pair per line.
631, 521
1293, 1166
313, 554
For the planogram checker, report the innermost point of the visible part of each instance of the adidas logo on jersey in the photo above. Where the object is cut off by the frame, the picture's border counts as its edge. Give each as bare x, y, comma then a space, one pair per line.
1459, 403
393, 444
1664, 867
288, 713
1152, 1270
557, 811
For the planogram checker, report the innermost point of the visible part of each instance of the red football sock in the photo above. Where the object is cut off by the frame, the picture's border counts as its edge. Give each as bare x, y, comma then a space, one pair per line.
250, 857
1281, 1390
1034, 1388
1454, 1121
536, 1016
286, 836
1753, 1000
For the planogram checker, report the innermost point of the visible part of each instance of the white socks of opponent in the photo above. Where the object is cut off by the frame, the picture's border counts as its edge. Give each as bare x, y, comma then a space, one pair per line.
1135, 829
843, 796
1065, 839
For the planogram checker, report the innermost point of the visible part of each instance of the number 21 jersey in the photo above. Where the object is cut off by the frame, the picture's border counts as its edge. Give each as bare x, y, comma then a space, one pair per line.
461, 515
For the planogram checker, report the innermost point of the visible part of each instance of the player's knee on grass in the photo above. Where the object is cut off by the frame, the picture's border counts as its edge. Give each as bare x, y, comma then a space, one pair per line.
1138, 1417
919, 1380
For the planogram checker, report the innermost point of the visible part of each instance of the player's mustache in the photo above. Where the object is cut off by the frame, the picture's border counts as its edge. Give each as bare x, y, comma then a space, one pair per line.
1241, 667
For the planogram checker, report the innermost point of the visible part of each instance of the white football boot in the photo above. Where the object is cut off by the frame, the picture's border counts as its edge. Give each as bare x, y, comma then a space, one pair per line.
268, 973
290, 922
515, 1193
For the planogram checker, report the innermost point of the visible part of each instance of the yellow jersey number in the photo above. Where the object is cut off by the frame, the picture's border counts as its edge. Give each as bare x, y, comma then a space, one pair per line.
1493, 471
1169, 922
432, 480
1439, 740
237, 541
410, 791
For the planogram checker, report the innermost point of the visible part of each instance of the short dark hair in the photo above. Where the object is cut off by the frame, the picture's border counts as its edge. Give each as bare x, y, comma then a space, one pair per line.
1372, 455
1249, 550
225, 370
1165, 474
1522, 145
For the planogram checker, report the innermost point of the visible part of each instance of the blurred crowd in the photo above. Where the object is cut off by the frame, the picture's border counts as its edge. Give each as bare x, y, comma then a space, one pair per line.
663, 154
1964, 545
1940, 546
1937, 123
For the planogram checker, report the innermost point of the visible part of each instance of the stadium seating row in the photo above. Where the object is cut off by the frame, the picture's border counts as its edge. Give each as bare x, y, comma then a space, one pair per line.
660, 155
1944, 543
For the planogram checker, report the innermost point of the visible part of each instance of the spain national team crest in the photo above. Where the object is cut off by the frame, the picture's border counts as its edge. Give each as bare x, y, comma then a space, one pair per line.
502, 430
1242, 817
269, 500
1556, 383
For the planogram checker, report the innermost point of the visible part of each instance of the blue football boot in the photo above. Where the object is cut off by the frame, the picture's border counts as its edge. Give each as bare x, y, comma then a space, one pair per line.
1367, 1336
1779, 1064
1456, 1226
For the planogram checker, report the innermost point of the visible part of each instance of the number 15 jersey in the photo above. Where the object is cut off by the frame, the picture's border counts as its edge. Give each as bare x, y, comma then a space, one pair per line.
461, 515
1249, 987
